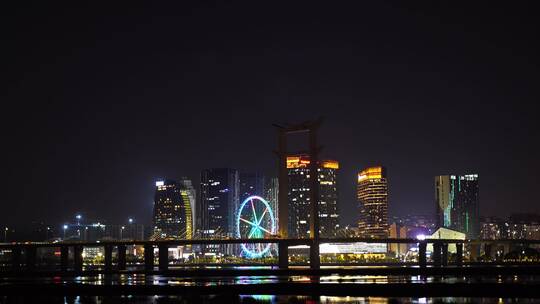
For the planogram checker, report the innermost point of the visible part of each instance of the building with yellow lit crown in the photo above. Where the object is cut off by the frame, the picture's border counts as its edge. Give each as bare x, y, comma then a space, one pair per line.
373, 199
172, 211
299, 200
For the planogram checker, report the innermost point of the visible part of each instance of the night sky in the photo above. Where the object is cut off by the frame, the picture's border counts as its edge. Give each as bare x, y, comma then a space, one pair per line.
99, 101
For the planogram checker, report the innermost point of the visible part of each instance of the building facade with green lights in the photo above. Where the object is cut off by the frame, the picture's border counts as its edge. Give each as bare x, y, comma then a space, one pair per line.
458, 203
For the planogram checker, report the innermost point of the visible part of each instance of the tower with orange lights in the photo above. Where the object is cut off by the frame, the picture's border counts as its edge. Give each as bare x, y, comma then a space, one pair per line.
299, 170
373, 200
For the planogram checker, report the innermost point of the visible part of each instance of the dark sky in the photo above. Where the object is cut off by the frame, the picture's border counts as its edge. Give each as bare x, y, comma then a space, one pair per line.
102, 100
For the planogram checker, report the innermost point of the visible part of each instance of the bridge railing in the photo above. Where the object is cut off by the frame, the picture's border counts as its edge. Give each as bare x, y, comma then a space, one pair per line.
69, 256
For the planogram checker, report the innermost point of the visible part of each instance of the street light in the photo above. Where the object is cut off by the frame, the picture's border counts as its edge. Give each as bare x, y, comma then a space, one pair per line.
122, 232
5, 234
78, 217
65, 227
130, 220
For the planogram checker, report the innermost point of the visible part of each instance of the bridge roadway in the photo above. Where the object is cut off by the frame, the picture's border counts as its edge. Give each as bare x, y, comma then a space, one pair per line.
23, 256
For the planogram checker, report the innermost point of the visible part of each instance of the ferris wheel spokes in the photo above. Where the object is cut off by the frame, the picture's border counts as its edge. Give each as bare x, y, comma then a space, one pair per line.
256, 223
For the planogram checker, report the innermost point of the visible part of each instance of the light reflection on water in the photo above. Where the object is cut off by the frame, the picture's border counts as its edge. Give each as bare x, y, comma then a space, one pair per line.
249, 299
142, 279
160, 280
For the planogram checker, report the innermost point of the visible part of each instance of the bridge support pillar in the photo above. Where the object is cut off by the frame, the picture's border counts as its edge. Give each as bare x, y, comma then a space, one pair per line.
16, 254
437, 254
422, 259
64, 258
163, 257
77, 258
506, 248
444, 248
487, 251
474, 249
108, 257
31, 253
459, 254
283, 255
148, 257
121, 257
314, 256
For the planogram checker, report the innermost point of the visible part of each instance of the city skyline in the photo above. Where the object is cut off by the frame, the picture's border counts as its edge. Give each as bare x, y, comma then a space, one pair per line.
149, 219
292, 163
251, 151
244, 180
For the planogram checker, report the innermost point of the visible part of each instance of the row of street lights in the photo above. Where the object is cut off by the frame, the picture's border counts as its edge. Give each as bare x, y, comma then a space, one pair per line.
65, 227
78, 217
130, 221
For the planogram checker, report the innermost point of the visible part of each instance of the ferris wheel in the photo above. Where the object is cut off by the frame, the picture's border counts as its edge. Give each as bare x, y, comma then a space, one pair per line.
255, 220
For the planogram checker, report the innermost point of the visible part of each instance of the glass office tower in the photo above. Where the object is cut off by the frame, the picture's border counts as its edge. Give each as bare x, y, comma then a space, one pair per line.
457, 203
219, 202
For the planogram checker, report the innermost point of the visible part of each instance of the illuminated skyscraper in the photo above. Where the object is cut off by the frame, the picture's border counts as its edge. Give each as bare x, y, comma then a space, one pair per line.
373, 200
219, 202
458, 203
187, 186
271, 195
256, 184
299, 200
251, 184
172, 211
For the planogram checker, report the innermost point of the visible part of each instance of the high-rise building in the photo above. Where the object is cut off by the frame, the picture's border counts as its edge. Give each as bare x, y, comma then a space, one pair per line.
218, 202
373, 199
251, 184
299, 196
457, 202
172, 211
271, 195
187, 186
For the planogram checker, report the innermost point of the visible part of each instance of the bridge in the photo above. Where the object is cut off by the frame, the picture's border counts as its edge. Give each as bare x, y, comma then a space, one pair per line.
426, 276
23, 257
